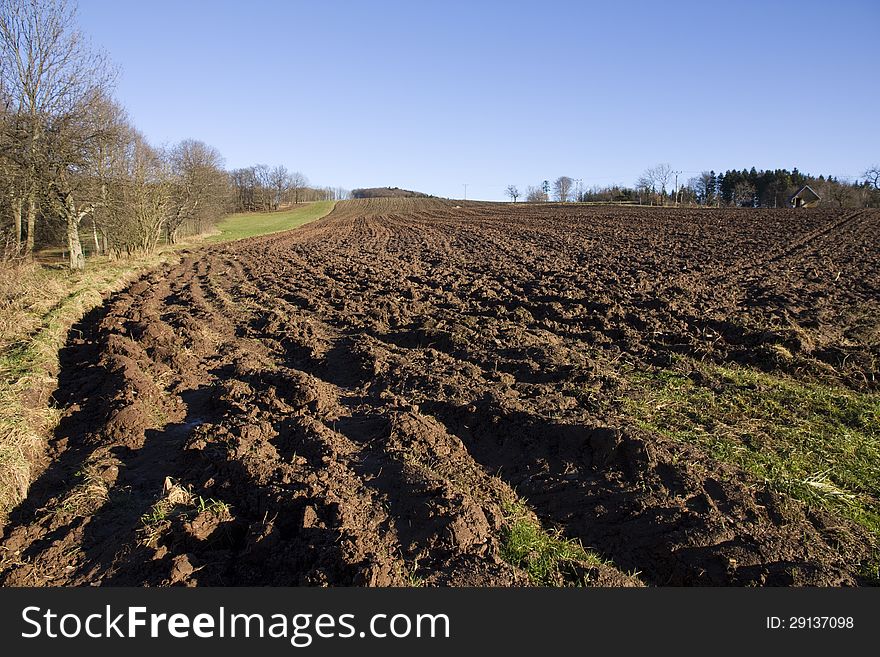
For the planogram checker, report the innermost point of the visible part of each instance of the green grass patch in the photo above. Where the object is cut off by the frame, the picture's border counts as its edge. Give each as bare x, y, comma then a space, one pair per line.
251, 224
815, 442
547, 557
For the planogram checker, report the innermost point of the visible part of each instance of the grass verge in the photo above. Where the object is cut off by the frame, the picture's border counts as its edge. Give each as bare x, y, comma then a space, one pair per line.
817, 443
38, 305
250, 224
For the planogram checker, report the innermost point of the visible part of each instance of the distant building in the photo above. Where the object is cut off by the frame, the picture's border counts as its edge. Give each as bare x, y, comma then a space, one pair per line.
805, 198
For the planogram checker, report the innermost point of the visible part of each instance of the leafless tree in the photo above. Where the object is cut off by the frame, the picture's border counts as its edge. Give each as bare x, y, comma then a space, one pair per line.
297, 182
535, 195
512, 192
147, 194
262, 188
75, 140
663, 174
695, 184
840, 192
656, 179
645, 186
51, 79
280, 181
263, 176
872, 175
108, 172
198, 187
562, 188
244, 183
11, 180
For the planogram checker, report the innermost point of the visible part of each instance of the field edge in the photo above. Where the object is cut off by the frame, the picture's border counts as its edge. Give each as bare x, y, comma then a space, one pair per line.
40, 305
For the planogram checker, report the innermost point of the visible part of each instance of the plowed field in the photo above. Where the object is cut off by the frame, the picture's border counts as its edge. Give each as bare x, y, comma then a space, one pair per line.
388, 395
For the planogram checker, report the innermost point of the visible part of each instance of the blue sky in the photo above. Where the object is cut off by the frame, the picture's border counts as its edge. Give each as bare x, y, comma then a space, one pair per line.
432, 95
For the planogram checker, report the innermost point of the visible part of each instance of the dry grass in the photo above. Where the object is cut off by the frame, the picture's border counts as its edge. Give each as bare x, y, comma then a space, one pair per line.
38, 306
88, 495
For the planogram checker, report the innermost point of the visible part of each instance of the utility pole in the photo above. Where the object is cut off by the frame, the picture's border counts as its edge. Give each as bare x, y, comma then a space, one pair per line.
579, 181
465, 190
676, 187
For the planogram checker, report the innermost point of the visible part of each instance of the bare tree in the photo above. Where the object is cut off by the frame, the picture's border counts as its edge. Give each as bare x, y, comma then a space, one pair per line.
645, 185
536, 195
663, 174
562, 188
147, 194
198, 187
841, 192
244, 184
11, 179
297, 182
655, 180
513, 192
257, 187
872, 175
51, 78
75, 140
264, 186
108, 172
695, 184
659, 177
280, 181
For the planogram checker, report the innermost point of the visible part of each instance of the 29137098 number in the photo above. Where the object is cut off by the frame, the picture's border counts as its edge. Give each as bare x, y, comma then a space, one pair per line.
810, 623
820, 622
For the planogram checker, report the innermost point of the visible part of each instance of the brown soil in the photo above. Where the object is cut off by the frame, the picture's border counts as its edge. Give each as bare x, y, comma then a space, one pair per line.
367, 394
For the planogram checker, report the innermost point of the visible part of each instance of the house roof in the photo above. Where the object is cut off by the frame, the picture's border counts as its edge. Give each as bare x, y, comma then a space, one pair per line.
806, 192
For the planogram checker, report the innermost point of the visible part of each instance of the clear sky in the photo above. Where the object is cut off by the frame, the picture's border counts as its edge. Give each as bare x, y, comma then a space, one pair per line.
431, 95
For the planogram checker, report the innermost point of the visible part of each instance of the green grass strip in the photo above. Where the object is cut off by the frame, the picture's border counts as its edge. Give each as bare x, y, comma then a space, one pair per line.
251, 224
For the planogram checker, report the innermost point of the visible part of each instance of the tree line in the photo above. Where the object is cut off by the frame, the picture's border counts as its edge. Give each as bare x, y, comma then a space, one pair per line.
661, 185
385, 192
261, 188
774, 188
74, 170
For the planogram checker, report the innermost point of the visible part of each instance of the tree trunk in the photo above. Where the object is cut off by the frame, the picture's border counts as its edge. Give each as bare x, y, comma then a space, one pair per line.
73, 217
77, 260
17, 205
95, 235
31, 222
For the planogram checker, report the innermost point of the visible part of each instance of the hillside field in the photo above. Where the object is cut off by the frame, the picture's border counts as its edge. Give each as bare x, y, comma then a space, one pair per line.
430, 392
